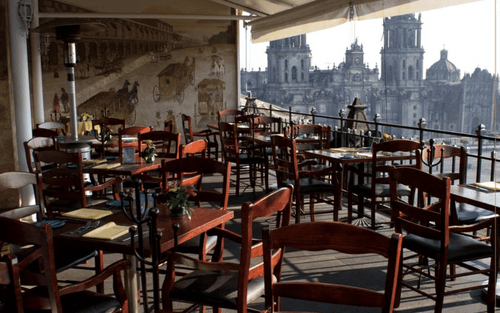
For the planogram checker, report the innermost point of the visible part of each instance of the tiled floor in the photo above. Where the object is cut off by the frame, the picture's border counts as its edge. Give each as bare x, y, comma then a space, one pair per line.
335, 267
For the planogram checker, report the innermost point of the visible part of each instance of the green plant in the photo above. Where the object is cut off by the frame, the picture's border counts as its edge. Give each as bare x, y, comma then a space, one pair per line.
178, 199
149, 152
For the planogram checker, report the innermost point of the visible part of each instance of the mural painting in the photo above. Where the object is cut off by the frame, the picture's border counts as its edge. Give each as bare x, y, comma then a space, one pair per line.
146, 71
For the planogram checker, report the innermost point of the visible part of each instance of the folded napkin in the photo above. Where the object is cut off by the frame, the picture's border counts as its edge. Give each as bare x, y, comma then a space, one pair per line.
110, 231
490, 185
344, 149
108, 165
94, 161
85, 213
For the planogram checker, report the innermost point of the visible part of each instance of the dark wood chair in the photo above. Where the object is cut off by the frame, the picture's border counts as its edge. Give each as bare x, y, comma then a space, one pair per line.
207, 134
65, 258
37, 144
268, 125
450, 161
228, 116
189, 172
167, 143
306, 181
194, 148
129, 132
11, 300
320, 237
57, 127
376, 189
168, 126
38, 269
429, 234
63, 185
247, 160
228, 284
113, 125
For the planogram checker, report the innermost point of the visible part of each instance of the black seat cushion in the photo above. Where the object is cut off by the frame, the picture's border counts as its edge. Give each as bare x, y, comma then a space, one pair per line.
468, 214
381, 190
193, 244
78, 302
215, 288
461, 247
311, 185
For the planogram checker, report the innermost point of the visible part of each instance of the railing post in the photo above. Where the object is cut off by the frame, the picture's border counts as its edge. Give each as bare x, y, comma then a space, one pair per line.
313, 113
493, 165
479, 132
270, 110
376, 119
421, 125
341, 115
290, 115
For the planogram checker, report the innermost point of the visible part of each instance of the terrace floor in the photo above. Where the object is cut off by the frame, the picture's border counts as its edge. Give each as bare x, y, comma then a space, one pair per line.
335, 267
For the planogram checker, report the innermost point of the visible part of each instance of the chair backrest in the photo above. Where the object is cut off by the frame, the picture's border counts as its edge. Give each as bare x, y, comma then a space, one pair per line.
64, 180
308, 136
196, 147
229, 140
379, 174
114, 124
168, 126
41, 255
14, 181
268, 125
337, 236
58, 127
422, 218
228, 116
167, 144
187, 128
11, 280
435, 157
190, 172
285, 159
37, 144
131, 131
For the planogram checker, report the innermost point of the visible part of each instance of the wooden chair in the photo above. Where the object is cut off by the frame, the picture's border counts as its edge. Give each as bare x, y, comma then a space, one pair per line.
377, 188
167, 144
268, 125
64, 258
63, 186
323, 236
429, 234
228, 116
189, 172
227, 284
10, 281
168, 126
196, 147
305, 180
207, 134
58, 127
245, 159
128, 132
436, 156
37, 144
37, 269
114, 125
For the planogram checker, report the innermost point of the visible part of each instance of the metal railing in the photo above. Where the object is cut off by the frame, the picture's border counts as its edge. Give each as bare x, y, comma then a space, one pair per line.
481, 146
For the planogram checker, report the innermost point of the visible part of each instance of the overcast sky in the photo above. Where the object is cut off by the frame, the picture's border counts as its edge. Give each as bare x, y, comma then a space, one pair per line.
467, 31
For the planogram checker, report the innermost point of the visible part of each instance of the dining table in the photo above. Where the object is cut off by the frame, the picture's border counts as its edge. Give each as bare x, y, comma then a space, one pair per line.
202, 219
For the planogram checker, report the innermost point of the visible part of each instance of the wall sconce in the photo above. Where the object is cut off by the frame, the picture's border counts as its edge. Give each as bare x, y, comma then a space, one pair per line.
25, 11
44, 43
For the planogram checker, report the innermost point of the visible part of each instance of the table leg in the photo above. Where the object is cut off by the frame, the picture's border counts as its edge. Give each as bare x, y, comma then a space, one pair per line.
131, 284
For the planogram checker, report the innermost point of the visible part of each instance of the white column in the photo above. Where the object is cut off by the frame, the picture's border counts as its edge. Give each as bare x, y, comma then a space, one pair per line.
21, 87
36, 70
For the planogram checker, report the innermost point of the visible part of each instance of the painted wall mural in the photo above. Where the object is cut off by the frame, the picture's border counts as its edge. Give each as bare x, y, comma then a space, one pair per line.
146, 71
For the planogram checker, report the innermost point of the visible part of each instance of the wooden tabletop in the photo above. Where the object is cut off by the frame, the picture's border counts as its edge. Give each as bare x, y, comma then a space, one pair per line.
350, 155
202, 220
126, 169
483, 198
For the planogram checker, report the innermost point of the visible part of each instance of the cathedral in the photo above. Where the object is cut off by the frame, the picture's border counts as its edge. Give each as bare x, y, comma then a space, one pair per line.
397, 91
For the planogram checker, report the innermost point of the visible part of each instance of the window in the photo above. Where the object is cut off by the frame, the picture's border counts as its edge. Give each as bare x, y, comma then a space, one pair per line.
286, 64
302, 64
294, 74
286, 77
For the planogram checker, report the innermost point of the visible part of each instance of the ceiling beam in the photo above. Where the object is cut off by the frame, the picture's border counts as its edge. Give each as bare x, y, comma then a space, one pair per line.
241, 7
144, 16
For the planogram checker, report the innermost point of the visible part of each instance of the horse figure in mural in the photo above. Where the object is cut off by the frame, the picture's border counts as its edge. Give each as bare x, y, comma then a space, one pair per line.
124, 89
132, 94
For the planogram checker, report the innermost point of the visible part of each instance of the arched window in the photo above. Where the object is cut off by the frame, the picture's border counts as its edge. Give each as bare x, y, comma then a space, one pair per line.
302, 76
410, 72
286, 64
294, 74
302, 64
286, 77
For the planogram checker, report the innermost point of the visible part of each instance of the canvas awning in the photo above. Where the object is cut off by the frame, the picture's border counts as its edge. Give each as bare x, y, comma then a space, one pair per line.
322, 14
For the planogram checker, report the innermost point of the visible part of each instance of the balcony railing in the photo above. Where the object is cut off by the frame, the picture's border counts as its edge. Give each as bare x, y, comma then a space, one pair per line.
481, 147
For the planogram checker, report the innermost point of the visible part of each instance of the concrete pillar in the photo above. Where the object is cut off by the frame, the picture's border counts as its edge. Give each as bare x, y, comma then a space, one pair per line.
36, 70
21, 88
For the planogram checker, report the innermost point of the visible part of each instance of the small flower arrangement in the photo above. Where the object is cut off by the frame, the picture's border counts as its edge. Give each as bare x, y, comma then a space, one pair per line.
386, 137
86, 117
177, 199
149, 153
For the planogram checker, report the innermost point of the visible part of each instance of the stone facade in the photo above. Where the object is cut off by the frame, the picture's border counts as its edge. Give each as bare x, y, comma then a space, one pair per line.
400, 94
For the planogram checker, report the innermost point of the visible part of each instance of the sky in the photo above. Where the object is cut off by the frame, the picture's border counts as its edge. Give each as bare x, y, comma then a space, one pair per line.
467, 31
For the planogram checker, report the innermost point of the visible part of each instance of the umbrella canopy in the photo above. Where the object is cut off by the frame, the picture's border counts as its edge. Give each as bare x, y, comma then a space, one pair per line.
322, 14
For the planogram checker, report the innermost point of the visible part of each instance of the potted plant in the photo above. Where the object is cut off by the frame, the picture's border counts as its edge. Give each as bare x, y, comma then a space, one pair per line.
177, 199
149, 153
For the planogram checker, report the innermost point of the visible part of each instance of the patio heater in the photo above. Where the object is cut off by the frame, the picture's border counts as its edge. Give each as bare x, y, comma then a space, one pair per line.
69, 31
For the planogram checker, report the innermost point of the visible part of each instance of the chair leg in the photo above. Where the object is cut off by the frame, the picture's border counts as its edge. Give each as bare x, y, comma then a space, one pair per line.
99, 261
311, 207
440, 286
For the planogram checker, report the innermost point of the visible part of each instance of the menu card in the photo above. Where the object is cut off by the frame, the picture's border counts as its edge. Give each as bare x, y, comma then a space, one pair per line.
110, 231
90, 214
94, 161
107, 166
490, 185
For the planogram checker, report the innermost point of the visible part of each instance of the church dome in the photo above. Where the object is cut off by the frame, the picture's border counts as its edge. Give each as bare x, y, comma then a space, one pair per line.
443, 70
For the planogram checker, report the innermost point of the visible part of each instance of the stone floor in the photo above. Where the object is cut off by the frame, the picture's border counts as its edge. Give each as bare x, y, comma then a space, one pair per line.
336, 267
